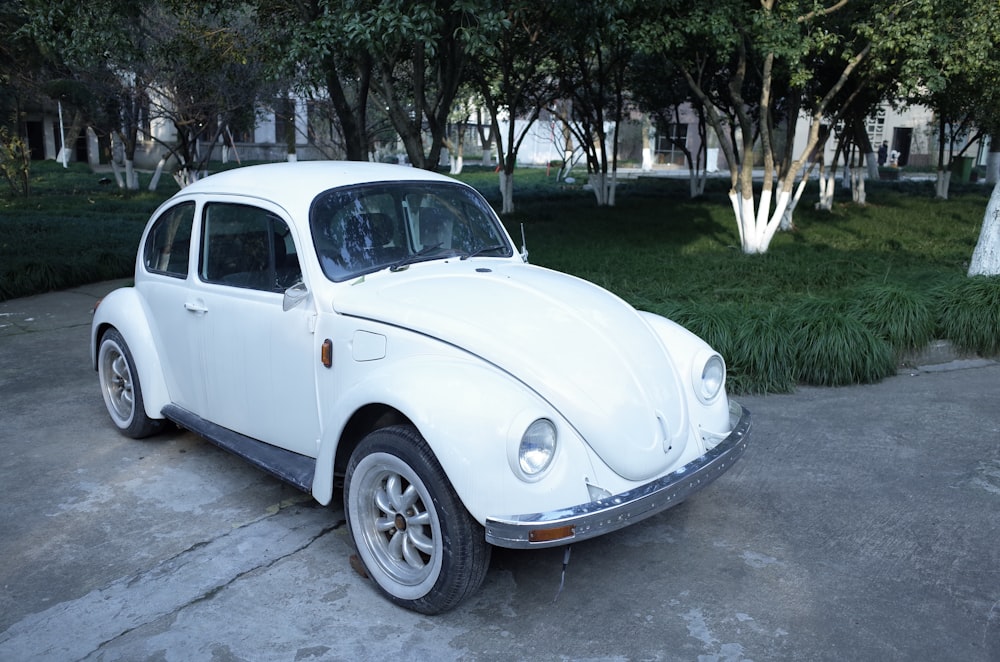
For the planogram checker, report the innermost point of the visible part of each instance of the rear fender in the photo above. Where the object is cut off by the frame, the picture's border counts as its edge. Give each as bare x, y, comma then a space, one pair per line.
123, 309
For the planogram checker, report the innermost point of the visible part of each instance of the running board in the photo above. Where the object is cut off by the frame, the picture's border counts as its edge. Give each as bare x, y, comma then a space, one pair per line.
295, 469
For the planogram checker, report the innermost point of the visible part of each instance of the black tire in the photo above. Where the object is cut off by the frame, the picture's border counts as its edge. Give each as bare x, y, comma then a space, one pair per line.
121, 389
415, 538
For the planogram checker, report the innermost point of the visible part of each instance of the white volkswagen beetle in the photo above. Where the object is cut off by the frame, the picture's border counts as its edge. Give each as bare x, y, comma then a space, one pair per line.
375, 324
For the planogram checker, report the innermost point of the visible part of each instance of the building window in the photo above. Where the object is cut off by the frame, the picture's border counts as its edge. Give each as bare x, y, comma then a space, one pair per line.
875, 126
670, 142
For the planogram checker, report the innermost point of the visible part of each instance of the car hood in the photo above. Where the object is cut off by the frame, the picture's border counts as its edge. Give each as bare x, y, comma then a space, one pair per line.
584, 350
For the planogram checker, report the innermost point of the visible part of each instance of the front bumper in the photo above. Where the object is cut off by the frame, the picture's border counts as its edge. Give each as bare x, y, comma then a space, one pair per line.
588, 520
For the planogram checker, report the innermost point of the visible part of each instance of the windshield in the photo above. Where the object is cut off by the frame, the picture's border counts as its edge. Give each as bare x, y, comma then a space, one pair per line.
361, 229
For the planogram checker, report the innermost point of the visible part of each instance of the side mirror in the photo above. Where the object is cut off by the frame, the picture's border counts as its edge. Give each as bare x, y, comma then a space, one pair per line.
294, 295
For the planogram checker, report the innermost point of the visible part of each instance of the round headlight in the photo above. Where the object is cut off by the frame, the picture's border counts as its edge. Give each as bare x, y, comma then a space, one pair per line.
713, 378
537, 447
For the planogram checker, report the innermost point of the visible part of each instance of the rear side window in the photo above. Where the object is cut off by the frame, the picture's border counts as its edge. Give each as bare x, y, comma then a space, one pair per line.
246, 246
168, 245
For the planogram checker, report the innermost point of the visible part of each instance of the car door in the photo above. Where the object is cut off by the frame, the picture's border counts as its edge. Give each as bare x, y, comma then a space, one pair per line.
259, 360
166, 287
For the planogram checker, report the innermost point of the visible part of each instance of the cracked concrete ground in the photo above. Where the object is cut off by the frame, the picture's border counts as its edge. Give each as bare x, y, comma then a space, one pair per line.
861, 524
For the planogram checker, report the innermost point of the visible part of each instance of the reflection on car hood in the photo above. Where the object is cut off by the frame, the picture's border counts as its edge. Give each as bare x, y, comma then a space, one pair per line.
585, 351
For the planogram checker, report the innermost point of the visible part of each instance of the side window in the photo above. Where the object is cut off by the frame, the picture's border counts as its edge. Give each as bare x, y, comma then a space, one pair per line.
246, 246
169, 242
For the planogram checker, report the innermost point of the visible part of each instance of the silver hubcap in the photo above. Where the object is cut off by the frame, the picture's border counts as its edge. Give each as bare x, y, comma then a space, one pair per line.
399, 532
118, 383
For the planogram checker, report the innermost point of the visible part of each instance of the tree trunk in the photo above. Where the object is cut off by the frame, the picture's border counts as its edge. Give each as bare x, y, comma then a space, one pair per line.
507, 192
858, 184
993, 161
941, 184
485, 139
787, 219
872, 160
986, 256
456, 151
647, 151
601, 186
827, 188
116, 154
155, 180
943, 171
131, 176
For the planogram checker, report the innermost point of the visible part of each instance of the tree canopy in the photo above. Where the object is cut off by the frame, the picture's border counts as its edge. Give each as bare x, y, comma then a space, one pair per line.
750, 70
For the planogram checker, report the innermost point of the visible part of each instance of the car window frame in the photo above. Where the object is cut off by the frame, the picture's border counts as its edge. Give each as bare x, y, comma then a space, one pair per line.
167, 216
404, 237
274, 282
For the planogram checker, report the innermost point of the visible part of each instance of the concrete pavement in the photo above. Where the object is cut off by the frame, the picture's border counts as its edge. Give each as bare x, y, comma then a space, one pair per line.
863, 523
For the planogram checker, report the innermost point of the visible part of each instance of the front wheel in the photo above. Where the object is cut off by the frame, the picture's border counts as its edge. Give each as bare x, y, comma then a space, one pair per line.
416, 539
121, 389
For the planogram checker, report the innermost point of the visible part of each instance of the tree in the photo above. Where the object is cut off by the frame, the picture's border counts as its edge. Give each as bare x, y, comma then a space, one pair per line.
661, 91
419, 51
206, 77
773, 48
19, 62
306, 45
514, 77
104, 43
595, 42
986, 256
951, 58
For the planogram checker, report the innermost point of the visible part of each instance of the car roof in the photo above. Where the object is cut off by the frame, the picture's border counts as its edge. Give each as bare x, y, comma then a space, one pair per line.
292, 184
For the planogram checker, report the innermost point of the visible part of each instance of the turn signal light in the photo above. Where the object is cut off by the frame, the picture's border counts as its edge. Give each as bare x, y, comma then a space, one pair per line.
548, 535
326, 353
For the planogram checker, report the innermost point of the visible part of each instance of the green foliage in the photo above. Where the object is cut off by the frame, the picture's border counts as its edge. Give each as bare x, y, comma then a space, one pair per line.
15, 162
831, 348
970, 314
72, 230
836, 302
897, 314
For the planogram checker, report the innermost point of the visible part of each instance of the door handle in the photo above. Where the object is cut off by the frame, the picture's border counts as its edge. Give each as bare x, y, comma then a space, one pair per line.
195, 307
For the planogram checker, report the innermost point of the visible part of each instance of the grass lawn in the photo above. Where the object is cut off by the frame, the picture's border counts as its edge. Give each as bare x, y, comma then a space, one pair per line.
837, 300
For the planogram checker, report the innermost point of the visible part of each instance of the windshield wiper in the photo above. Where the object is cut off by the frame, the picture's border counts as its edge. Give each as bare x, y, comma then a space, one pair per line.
484, 249
401, 264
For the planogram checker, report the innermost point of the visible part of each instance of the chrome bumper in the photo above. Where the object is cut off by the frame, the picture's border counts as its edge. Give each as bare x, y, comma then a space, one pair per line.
588, 520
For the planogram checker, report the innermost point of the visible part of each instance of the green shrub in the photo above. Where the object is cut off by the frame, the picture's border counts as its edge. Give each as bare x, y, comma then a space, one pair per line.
896, 314
832, 348
15, 162
970, 314
762, 357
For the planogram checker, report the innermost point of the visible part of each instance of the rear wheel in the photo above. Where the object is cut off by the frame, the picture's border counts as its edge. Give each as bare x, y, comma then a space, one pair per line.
416, 540
120, 387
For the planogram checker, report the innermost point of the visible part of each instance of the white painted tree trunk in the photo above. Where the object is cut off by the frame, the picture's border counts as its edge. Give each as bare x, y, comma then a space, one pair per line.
117, 173
155, 180
941, 184
186, 176
131, 176
858, 185
787, 219
697, 181
993, 167
986, 256
827, 187
872, 162
647, 159
601, 186
758, 229
506, 193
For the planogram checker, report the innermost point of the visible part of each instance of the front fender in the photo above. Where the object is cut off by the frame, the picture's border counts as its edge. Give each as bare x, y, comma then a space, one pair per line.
123, 309
472, 416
